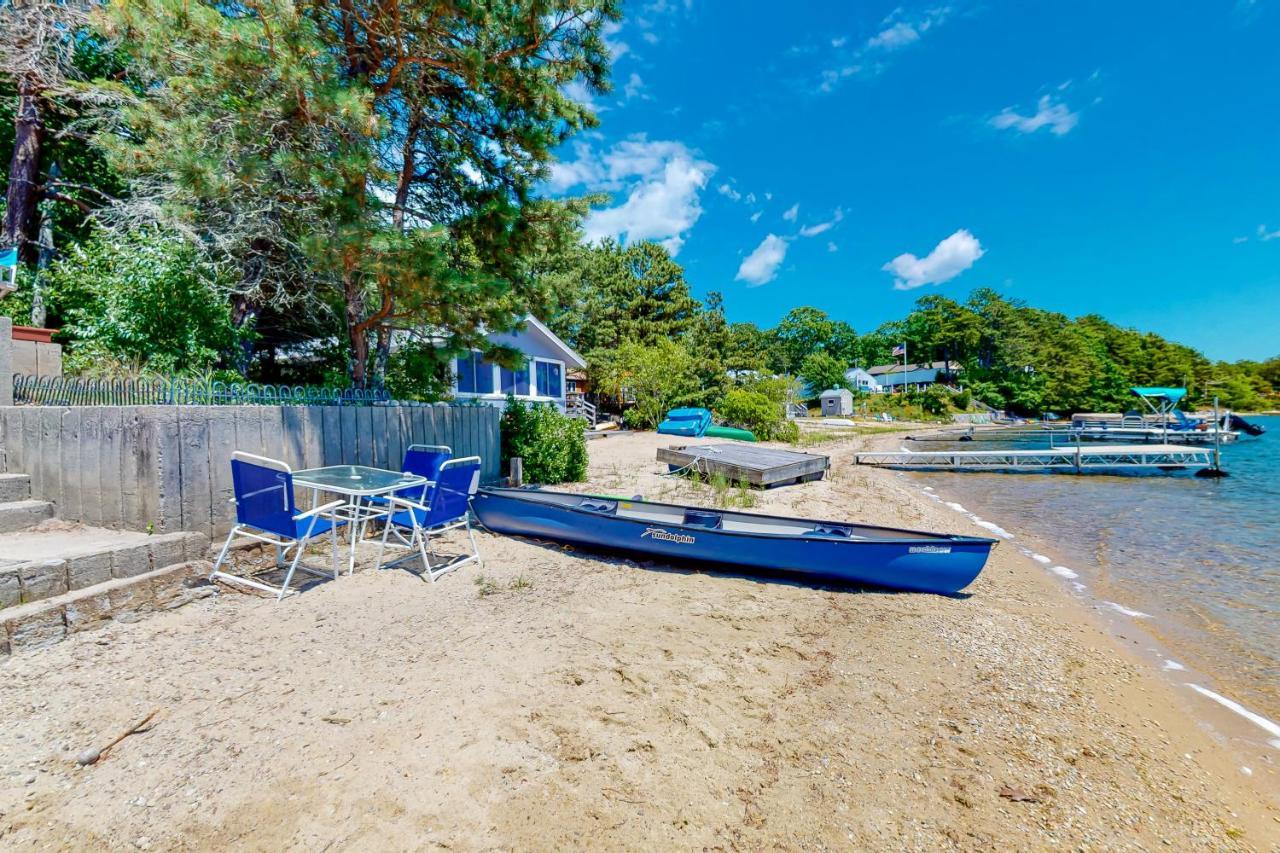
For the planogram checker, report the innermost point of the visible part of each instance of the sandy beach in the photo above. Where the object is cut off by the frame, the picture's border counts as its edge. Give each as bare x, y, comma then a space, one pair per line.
554, 699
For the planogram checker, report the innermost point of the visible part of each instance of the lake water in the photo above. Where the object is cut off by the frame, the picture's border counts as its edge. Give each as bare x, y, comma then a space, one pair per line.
1198, 559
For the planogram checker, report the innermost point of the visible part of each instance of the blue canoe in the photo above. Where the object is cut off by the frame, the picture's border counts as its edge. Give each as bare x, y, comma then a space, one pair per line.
826, 550
686, 422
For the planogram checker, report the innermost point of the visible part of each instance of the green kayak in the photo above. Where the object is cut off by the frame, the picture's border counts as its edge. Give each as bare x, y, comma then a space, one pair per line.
736, 434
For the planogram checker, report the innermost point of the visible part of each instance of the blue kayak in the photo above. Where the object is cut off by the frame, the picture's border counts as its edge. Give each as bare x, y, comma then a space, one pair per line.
826, 550
686, 422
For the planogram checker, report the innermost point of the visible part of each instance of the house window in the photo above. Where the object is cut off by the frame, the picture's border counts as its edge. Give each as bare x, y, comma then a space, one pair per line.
548, 378
475, 375
515, 381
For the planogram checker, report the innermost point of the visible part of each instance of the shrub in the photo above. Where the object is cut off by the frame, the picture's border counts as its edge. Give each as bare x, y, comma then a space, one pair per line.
657, 378
936, 400
148, 298
756, 412
963, 399
552, 445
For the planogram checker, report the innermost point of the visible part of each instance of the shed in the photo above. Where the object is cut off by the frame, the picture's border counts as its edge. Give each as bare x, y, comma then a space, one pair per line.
837, 401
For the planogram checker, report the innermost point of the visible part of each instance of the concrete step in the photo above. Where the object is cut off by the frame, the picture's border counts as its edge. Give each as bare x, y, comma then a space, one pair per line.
17, 515
54, 558
14, 487
43, 623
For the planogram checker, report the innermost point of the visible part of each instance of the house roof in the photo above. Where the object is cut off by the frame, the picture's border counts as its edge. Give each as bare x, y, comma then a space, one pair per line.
882, 369
571, 357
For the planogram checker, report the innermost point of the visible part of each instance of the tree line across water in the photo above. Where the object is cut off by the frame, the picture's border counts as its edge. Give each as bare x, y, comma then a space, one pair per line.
348, 193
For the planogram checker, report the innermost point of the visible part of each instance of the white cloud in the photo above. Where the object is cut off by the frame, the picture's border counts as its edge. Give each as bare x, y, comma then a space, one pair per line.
649, 37
1050, 113
900, 30
617, 48
948, 259
1267, 236
661, 179
823, 227
634, 87
729, 192
755, 217
792, 212
1239, 240
832, 247
761, 266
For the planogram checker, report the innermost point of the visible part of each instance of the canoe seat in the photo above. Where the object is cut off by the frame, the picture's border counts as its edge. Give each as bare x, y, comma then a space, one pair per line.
602, 507
831, 531
699, 518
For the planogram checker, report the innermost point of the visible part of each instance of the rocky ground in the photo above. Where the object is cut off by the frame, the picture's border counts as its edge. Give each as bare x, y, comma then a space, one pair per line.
554, 699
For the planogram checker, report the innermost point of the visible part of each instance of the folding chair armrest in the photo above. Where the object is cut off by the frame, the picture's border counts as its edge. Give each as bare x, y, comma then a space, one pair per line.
407, 504
320, 510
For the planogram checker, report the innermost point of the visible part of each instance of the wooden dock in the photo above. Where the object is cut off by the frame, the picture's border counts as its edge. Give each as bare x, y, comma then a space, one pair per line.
1073, 458
746, 463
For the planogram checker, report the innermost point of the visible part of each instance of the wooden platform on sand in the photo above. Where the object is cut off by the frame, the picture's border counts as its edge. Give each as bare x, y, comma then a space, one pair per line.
746, 463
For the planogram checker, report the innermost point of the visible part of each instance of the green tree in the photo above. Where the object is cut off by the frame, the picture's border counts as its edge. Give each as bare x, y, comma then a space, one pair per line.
379, 156
822, 371
147, 300
653, 379
612, 293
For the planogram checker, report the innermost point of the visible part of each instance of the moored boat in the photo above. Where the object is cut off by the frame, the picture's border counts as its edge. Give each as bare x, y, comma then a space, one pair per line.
825, 550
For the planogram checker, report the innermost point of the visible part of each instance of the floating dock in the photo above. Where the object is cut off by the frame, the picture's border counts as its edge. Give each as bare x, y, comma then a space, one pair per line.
1077, 459
746, 463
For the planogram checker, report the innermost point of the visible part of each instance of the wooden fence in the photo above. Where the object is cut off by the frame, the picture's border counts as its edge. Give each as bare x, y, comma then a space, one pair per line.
169, 466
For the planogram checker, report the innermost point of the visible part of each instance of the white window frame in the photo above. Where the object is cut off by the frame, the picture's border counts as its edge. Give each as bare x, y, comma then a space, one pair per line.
533, 377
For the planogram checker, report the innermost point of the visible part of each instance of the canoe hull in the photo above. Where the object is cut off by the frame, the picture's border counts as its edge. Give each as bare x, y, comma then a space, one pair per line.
942, 565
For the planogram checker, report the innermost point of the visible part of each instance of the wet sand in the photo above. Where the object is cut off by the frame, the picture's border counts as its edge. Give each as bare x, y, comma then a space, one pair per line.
575, 700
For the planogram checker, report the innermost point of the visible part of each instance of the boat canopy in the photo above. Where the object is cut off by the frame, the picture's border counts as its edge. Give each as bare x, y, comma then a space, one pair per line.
1173, 395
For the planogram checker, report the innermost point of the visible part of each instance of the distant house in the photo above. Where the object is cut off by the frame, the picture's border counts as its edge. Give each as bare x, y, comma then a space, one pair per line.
860, 380
544, 377
914, 377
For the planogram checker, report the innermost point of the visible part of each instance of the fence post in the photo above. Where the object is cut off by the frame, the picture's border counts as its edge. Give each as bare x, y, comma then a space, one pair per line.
516, 478
6, 361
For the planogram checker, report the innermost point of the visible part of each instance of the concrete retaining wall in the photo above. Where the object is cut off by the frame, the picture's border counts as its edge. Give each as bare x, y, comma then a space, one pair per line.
169, 466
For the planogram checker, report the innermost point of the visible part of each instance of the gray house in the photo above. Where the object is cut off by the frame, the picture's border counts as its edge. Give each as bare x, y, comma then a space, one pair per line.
837, 401
914, 377
542, 379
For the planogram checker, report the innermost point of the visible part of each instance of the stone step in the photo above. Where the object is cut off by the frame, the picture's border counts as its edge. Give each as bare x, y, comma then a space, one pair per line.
50, 562
43, 623
17, 515
14, 487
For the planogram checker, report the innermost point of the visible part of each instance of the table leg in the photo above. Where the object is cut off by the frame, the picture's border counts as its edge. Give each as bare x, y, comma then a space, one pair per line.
353, 534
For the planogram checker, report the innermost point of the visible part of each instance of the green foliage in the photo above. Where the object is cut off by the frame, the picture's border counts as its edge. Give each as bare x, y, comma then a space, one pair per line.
608, 294
653, 379
963, 399
552, 445
754, 411
418, 370
822, 371
936, 400
146, 299
806, 330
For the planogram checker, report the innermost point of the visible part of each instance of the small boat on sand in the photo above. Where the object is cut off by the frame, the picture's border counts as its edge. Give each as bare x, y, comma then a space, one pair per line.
821, 550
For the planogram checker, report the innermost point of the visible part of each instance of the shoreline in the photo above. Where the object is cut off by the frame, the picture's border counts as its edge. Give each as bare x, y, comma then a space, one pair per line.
1250, 737
559, 699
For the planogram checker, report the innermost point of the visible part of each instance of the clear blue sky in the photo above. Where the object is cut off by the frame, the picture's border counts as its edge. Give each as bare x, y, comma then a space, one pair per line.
1117, 158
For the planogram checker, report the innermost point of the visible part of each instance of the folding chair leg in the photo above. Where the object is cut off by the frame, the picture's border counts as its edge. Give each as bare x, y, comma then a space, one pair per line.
222, 555
475, 549
302, 546
420, 535
382, 545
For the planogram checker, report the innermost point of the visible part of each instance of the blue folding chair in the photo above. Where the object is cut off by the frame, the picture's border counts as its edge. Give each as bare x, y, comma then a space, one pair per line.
266, 512
425, 461
448, 509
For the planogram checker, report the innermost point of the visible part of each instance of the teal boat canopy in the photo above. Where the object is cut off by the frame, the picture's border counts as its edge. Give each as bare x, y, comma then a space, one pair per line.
1173, 395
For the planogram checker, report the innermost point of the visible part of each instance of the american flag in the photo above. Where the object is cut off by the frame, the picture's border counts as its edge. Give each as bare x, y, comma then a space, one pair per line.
900, 349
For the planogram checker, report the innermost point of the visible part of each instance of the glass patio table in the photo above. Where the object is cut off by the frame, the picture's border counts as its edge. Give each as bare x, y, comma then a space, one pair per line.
356, 483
